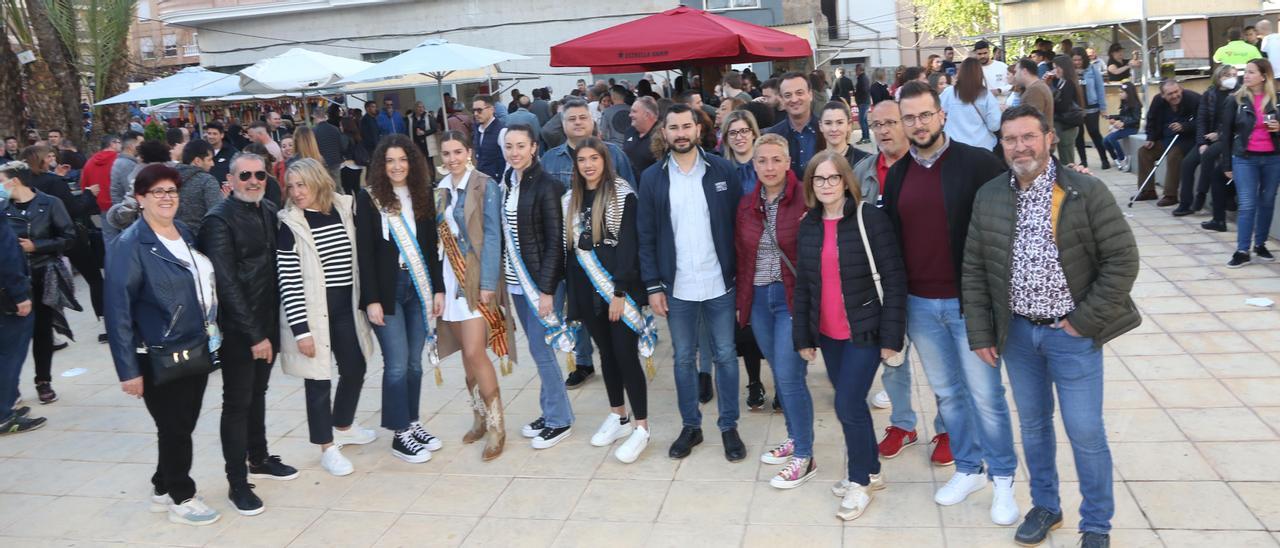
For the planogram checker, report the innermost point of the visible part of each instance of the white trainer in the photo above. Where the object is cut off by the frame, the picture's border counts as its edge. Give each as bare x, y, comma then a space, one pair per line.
355, 435
611, 430
630, 450
842, 487
1004, 508
854, 503
881, 400
959, 487
193, 512
160, 503
335, 462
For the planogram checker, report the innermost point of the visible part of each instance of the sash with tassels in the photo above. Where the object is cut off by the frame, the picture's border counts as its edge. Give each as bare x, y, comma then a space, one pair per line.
560, 336
416, 262
639, 320
491, 312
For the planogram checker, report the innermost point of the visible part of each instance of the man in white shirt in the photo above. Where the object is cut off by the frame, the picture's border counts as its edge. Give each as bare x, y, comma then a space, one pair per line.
1270, 40
995, 72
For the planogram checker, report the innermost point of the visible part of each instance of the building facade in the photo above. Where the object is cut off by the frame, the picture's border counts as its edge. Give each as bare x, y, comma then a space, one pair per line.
157, 46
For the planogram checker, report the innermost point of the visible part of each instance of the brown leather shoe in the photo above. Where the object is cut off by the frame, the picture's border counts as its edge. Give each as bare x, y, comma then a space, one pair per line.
495, 437
477, 411
1167, 201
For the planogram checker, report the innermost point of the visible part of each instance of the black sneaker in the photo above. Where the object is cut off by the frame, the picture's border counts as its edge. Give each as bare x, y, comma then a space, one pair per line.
777, 404
549, 437
534, 428
1036, 526
407, 448
1095, 540
755, 396
705, 391
734, 449
1261, 254
689, 437
18, 424
46, 393
1216, 226
21, 411
1182, 212
1239, 259
102, 338
245, 501
272, 468
579, 376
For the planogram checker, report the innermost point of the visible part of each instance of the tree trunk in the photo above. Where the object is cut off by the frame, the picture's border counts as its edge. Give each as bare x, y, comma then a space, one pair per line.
12, 119
113, 118
65, 93
44, 106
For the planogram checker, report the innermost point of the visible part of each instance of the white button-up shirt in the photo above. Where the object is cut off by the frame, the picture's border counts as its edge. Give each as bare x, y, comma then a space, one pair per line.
698, 275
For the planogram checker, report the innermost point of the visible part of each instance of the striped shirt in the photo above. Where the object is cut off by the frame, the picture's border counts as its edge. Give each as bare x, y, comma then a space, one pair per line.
768, 256
334, 249
509, 208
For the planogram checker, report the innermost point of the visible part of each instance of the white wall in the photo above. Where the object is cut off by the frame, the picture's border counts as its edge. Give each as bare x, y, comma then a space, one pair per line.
879, 15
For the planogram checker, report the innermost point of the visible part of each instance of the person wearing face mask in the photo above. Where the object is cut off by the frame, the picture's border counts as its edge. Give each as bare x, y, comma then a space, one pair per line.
16, 321
1207, 153
836, 122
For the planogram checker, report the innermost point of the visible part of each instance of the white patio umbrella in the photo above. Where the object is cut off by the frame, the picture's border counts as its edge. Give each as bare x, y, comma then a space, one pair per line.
296, 70
188, 83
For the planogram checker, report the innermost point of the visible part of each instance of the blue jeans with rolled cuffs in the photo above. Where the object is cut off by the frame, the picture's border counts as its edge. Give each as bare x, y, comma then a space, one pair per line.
897, 383
552, 398
682, 321
402, 338
771, 325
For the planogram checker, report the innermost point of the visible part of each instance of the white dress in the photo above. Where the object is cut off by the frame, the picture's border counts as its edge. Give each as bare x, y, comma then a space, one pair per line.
455, 300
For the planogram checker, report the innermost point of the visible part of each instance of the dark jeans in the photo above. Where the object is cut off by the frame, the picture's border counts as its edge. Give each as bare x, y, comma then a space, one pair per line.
15, 338
42, 336
1091, 126
401, 338
88, 261
175, 407
619, 362
682, 320
1112, 142
863, 114
323, 414
244, 408
1213, 180
852, 368
1187, 193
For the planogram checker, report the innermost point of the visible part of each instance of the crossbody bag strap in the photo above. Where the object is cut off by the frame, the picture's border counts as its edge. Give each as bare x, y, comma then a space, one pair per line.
871, 257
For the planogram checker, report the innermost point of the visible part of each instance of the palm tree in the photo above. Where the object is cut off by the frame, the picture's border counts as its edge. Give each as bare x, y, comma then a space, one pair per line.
53, 22
11, 110
107, 23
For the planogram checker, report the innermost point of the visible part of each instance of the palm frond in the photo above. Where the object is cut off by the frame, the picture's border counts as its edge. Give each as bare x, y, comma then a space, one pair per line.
15, 19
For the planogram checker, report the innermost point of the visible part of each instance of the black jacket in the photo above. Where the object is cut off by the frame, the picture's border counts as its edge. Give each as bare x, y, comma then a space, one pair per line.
619, 254
1131, 116
1237, 124
1066, 105
862, 90
843, 90
240, 240
46, 223
964, 170
78, 207
1214, 104
379, 259
870, 321
879, 92
540, 226
222, 162
1161, 114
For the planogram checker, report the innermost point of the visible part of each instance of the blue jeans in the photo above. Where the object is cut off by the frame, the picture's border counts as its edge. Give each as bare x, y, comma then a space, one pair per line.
1040, 358
897, 383
1256, 180
553, 398
583, 349
970, 395
705, 355
15, 339
771, 325
402, 338
1112, 142
863, 114
852, 368
682, 320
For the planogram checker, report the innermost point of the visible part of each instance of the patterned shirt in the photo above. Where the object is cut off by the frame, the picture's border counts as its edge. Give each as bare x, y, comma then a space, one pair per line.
768, 256
1038, 288
509, 208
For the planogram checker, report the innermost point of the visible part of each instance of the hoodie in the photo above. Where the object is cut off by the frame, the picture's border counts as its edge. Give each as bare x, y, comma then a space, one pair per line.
198, 194
97, 171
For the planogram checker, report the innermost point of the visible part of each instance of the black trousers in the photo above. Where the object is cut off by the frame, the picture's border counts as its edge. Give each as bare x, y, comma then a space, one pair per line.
322, 413
244, 408
619, 362
42, 336
88, 261
1212, 180
1091, 126
745, 340
350, 180
175, 408
1187, 191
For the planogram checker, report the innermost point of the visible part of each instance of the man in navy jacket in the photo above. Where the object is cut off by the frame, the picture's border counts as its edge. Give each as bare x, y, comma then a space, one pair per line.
487, 138
687, 206
15, 328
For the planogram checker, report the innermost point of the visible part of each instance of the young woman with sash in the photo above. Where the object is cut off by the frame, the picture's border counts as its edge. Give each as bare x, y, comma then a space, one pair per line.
400, 284
476, 313
533, 231
604, 286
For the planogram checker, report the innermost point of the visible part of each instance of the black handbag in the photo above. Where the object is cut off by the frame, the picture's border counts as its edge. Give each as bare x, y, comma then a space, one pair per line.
170, 362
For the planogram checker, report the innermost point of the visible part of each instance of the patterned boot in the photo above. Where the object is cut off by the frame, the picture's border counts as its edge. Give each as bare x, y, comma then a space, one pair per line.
495, 429
478, 411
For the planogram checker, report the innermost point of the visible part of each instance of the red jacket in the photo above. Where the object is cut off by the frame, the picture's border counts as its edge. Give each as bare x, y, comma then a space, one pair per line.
97, 171
750, 227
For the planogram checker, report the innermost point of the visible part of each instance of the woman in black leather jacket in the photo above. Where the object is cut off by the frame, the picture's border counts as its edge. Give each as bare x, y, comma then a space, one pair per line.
45, 233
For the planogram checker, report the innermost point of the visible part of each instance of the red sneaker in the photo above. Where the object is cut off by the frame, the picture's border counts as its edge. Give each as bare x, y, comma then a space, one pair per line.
942, 451
894, 440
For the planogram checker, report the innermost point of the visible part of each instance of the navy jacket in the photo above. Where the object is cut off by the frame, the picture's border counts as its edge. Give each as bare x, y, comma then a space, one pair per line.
657, 237
15, 279
489, 158
150, 297
799, 156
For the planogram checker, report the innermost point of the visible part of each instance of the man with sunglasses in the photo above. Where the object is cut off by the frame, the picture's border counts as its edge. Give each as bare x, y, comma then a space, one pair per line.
391, 121
929, 197
487, 138
238, 236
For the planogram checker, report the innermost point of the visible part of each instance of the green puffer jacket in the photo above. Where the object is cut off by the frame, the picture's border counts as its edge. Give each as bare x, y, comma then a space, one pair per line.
1095, 246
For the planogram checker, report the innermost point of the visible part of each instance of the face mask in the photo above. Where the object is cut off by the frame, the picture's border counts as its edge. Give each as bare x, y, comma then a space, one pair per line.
4, 193
1230, 83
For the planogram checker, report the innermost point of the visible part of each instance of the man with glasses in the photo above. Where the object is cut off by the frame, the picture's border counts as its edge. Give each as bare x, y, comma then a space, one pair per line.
238, 236
487, 138
800, 128
391, 121
929, 198
1046, 282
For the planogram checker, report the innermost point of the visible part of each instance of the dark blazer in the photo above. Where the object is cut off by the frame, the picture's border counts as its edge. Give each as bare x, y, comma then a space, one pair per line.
965, 169
46, 224
15, 277
540, 226
379, 258
240, 240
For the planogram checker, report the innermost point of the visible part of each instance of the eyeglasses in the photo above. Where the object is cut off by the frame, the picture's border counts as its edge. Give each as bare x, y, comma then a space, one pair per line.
160, 193
479, 110
744, 132
833, 180
1012, 141
877, 126
259, 175
923, 118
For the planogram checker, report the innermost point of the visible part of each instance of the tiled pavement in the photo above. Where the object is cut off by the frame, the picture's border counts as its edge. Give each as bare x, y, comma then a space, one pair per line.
1192, 410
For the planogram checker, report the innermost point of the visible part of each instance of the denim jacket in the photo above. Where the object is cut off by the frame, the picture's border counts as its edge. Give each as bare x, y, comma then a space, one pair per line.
491, 247
1095, 93
558, 163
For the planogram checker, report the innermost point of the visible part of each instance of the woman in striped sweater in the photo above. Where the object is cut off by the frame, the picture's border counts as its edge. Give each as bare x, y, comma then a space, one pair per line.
319, 288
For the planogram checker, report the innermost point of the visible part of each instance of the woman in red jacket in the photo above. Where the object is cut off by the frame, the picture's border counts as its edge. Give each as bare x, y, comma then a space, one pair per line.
767, 223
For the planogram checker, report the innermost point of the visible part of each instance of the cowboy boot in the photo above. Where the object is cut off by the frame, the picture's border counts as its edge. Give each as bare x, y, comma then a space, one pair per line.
478, 411
495, 429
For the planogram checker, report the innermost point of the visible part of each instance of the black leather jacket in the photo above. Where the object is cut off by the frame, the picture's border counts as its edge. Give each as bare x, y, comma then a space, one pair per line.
47, 224
240, 240
540, 226
1237, 124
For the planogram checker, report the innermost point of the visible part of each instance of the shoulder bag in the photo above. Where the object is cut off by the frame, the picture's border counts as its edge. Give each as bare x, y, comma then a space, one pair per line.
170, 362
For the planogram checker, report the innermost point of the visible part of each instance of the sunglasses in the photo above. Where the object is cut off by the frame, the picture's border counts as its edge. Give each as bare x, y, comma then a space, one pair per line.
259, 175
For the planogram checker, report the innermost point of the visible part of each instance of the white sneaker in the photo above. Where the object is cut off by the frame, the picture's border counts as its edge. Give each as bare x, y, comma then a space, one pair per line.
193, 512
854, 503
842, 487
335, 463
160, 503
1004, 508
959, 487
354, 435
612, 430
630, 450
881, 400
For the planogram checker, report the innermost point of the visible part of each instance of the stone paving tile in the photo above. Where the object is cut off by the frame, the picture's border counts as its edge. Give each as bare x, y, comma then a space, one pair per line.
1192, 410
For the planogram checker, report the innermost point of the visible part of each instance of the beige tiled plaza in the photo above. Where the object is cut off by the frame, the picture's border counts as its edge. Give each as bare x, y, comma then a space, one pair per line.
1192, 410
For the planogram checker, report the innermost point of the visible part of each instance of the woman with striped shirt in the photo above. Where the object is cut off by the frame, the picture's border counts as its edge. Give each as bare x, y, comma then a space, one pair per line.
319, 288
